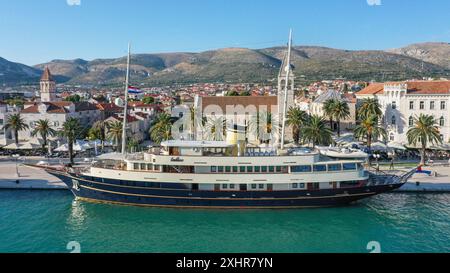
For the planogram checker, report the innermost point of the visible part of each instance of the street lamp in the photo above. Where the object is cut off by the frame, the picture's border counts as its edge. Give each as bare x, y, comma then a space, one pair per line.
377, 157
16, 157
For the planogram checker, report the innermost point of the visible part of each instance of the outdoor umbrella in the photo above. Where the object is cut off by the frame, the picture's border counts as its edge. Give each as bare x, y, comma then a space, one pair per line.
378, 146
12, 146
396, 146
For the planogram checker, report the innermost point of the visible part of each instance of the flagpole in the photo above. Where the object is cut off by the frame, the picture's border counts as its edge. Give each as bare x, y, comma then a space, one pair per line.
125, 111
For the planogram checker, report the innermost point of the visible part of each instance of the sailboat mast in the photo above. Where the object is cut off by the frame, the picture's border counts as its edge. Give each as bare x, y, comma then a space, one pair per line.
285, 102
125, 110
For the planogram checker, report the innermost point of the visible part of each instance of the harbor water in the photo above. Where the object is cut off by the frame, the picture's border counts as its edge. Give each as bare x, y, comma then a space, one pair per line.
46, 221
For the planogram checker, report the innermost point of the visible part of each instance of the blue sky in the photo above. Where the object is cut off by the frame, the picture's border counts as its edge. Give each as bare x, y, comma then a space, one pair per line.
36, 31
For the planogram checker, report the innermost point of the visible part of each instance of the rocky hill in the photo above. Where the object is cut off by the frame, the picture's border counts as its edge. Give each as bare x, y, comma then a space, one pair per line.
247, 65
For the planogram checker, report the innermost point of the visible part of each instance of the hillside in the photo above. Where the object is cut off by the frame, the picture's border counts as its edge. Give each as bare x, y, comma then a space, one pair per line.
245, 65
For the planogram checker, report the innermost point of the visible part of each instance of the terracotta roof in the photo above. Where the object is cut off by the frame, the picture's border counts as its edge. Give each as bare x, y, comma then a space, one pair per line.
223, 102
59, 107
108, 107
119, 118
372, 89
429, 87
47, 76
413, 87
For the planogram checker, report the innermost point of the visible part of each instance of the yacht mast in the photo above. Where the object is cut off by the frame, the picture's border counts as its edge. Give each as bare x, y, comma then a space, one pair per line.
285, 102
125, 111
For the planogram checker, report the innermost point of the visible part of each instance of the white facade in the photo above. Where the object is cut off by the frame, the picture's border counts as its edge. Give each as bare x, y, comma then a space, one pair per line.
401, 102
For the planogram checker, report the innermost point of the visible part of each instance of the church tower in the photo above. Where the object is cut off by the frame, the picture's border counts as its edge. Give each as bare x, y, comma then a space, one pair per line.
282, 77
48, 87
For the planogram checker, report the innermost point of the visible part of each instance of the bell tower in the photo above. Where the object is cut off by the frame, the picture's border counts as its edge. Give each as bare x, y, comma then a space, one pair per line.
48, 86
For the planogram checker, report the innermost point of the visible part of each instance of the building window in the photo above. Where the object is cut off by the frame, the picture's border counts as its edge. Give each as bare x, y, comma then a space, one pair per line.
411, 105
320, 168
394, 105
422, 105
443, 106
391, 137
349, 166
431, 105
411, 121
393, 120
442, 137
334, 167
136, 166
301, 169
442, 122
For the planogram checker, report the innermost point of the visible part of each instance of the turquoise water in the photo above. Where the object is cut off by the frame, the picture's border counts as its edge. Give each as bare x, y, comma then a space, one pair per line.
45, 221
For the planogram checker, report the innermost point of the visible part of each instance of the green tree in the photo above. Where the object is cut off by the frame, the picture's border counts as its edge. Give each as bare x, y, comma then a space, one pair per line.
73, 98
315, 131
16, 123
115, 129
328, 109
425, 131
43, 128
71, 130
370, 107
100, 128
369, 130
161, 129
148, 100
340, 111
296, 118
232, 93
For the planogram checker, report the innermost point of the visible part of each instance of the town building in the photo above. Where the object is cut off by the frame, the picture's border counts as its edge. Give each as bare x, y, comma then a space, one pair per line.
47, 87
401, 102
317, 107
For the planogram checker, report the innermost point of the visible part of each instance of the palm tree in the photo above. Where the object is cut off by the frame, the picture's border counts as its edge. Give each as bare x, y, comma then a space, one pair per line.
162, 128
369, 107
328, 109
214, 129
369, 130
115, 129
43, 128
425, 130
263, 125
340, 111
16, 124
316, 132
296, 118
100, 127
71, 129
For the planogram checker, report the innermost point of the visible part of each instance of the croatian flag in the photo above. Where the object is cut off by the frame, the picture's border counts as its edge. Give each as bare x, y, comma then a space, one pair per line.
134, 90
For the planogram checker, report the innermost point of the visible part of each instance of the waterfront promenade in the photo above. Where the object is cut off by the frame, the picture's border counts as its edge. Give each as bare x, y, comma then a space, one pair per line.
28, 178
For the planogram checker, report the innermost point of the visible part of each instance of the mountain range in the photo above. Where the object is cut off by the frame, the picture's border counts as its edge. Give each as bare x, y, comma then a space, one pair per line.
244, 65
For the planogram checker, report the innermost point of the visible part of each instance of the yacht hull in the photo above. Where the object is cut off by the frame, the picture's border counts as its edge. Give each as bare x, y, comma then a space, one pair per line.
86, 189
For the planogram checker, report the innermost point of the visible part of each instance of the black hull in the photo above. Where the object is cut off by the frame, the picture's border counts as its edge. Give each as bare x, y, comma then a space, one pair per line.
86, 189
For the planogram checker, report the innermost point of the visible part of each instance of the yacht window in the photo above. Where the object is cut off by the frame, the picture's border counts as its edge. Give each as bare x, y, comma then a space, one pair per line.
302, 185
136, 166
271, 169
143, 166
301, 169
213, 169
257, 169
249, 169
220, 169
224, 186
232, 186
334, 167
320, 168
228, 169
261, 186
254, 186
349, 166
235, 169
264, 169
278, 169
149, 167
295, 185
242, 169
